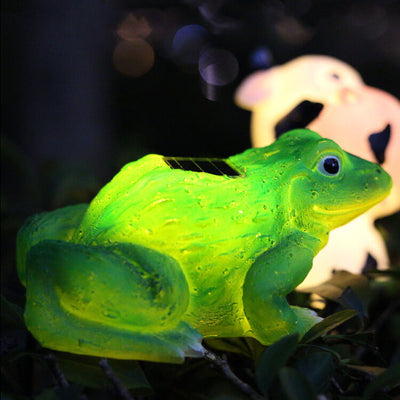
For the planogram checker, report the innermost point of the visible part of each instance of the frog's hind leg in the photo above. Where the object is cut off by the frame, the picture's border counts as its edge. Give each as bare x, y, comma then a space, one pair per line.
122, 301
59, 224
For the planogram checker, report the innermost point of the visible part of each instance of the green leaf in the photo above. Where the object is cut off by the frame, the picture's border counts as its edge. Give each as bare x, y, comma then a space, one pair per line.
371, 371
349, 299
328, 324
255, 347
318, 367
72, 392
295, 385
47, 394
232, 345
11, 314
14, 333
86, 371
334, 287
362, 338
391, 273
272, 359
12, 396
386, 381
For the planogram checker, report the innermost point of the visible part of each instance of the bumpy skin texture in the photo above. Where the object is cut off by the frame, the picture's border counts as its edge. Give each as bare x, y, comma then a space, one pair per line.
163, 257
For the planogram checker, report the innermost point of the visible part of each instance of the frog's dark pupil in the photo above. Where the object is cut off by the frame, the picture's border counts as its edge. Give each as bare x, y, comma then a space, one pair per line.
331, 165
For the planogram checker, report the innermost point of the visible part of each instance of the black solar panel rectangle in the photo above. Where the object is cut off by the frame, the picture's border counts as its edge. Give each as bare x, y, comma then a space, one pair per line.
172, 163
189, 165
225, 168
208, 165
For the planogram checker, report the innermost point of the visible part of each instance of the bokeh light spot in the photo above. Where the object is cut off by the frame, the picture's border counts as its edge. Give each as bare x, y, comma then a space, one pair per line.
188, 43
218, 67
133, 58
133, 27
261, 58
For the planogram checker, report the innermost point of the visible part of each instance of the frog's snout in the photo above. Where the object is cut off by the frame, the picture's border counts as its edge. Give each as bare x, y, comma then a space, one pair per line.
382, 180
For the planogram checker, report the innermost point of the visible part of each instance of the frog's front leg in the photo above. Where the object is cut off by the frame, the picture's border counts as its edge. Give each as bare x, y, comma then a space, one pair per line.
120, 301
272, 276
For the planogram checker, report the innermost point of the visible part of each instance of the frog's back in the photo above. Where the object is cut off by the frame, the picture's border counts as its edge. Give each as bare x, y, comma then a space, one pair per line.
148, 200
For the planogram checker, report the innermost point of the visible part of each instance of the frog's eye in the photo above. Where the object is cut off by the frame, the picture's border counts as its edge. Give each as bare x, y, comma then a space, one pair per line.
329, 165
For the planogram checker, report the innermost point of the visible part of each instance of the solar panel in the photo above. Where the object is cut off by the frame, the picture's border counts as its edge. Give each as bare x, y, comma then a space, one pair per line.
213, 166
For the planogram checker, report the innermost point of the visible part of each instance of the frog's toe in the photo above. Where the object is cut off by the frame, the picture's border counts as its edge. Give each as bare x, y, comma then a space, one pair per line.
306, 318
187, 339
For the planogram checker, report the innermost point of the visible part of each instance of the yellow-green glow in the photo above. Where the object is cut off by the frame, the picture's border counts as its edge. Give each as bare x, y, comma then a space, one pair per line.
163, 257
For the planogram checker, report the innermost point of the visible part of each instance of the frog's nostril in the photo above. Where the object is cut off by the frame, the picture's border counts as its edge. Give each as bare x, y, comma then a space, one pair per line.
378, 171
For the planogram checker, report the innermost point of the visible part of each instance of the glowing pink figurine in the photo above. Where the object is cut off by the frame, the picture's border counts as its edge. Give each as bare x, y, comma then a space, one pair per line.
329, 96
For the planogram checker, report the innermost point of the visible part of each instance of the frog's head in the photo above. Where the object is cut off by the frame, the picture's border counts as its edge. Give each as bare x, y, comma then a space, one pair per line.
329, 186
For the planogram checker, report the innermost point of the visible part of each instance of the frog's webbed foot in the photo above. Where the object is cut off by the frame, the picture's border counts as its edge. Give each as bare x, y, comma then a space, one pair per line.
305, 319
121, 301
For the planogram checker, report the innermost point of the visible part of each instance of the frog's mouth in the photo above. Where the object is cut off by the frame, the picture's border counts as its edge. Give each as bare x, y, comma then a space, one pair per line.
348, 211
299, 117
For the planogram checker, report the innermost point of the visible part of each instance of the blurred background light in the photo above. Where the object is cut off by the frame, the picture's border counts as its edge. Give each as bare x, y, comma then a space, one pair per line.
261, 58
293, 31
218, 67
134, 57
217, 22
132, 27
188, 42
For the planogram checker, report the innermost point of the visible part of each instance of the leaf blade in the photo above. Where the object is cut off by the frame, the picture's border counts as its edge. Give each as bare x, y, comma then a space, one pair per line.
295, 385
272, 359
329, 323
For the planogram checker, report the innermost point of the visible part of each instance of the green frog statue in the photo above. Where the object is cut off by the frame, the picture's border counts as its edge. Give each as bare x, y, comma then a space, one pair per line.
173, 250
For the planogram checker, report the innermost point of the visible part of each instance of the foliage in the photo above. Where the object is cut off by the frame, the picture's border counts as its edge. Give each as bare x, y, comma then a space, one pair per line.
352, 354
